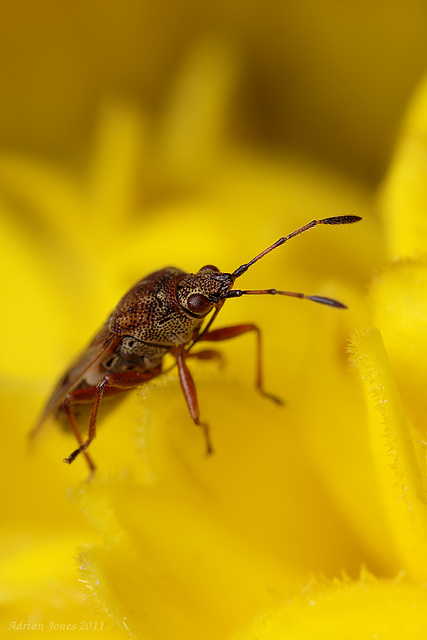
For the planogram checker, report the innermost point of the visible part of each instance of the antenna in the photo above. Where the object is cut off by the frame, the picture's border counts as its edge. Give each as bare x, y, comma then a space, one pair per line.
237, 293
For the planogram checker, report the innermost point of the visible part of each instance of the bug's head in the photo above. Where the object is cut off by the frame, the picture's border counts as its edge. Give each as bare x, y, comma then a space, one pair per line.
198, 293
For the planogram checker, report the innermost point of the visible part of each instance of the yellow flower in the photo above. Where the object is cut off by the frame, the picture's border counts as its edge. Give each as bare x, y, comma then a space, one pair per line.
309, 521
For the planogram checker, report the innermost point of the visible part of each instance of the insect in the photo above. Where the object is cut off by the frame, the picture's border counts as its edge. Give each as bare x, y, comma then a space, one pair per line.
162, 313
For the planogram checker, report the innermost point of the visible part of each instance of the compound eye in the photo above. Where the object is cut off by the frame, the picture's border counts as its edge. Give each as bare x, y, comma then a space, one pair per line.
209, 267
198, 304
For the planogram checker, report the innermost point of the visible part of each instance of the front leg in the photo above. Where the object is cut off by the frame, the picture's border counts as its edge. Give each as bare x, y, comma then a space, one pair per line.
226, 333
99, 390
190, 394
110, 385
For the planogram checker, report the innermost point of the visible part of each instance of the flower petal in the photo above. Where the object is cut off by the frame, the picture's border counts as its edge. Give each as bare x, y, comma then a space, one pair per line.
404, 198
399, 476
399, 308
368, 608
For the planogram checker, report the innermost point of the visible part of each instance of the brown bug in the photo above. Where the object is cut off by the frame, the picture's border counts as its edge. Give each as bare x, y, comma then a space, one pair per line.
163, 313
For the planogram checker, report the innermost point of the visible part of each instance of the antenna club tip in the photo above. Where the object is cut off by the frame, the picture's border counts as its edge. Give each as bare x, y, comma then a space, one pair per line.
340, 220
328, 301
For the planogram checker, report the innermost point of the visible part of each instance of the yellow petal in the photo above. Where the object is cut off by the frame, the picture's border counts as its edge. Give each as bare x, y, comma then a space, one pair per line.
404, 199
40, 591
367, 609
119, 153
399, 307
400, 479
192, 131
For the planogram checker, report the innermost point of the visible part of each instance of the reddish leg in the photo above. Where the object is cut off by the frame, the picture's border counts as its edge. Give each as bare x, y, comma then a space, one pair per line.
77, 433
110, 385
226, 333
206, 354
190, 394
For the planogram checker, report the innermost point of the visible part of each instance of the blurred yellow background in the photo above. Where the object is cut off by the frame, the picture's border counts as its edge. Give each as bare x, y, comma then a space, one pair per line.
330, 77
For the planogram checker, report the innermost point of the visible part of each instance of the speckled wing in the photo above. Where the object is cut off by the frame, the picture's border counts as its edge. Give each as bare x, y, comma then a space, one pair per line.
102, 344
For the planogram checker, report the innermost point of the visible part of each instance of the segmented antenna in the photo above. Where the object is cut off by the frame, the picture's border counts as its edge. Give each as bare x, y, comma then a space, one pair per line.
237, 293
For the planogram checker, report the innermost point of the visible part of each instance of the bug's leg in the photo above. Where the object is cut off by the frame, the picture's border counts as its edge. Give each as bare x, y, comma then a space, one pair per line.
226, 333
99, 389
206, 354
74, 427
110, 385
190, 393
